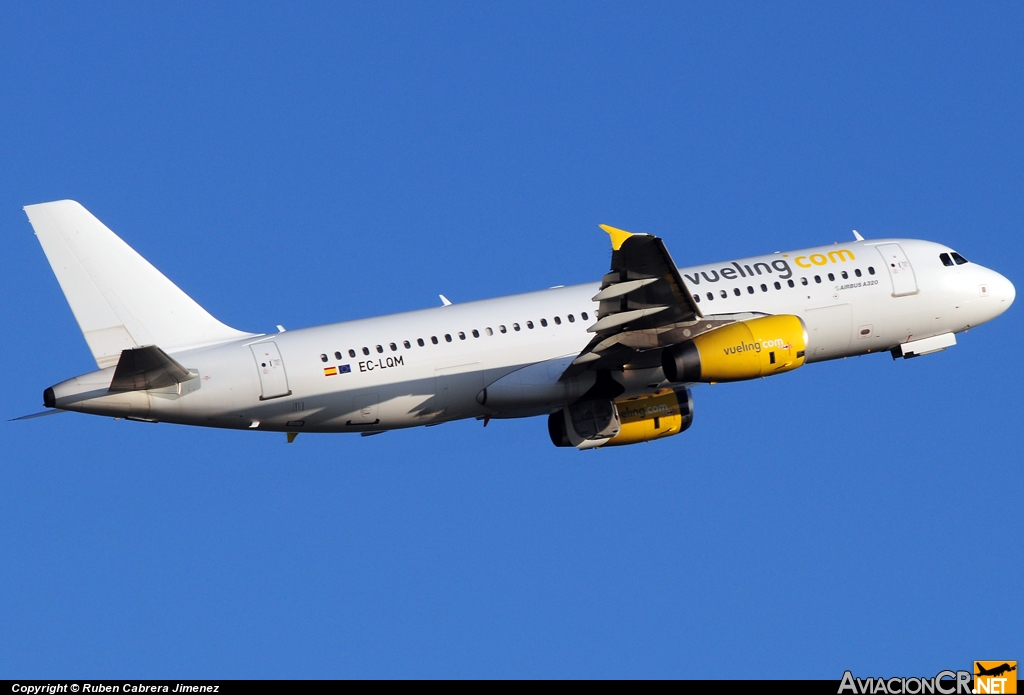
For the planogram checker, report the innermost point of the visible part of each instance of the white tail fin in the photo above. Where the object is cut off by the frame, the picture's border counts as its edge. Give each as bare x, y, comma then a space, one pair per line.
119, 300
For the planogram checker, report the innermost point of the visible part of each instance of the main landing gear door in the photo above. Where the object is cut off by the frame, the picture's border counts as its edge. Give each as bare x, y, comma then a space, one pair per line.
903, 280
273, 379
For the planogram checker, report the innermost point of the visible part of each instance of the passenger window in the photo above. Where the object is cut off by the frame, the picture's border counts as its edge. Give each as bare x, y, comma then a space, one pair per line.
407, 344
489, 330
419, 341
351, 353
366, 351
750, 290
871, 270
960, 260
585, 317
323, 358
764, 288
696, 297
515, 326
803, 281
380, 349
710, 297
476, 333
777, 285
462, 336
394, 348
544, 322
831, 277
725, 295
736, 291
558, 321
433, 339
502, 329
529, 324
846, 275
790, 283
857, 272
337, 355
571, 319
817, 279
448, 337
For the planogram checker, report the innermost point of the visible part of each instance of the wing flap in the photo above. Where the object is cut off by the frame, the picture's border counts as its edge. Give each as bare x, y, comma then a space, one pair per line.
642, 301
620, 288
613, 320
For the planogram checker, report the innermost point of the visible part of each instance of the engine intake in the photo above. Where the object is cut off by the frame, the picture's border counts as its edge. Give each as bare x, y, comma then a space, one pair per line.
737, 351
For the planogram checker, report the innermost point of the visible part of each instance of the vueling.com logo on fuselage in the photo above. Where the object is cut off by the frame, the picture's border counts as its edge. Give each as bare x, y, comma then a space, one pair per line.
840, 256
779, 267
755, 346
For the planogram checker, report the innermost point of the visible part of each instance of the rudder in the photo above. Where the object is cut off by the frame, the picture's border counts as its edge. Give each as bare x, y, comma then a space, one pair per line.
118, 298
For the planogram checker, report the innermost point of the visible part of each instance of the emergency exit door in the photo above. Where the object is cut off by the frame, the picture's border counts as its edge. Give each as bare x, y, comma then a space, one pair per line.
902, 275
273, 379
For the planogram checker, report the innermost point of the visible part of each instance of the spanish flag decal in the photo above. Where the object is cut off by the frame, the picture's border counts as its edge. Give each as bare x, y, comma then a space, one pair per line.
330, 371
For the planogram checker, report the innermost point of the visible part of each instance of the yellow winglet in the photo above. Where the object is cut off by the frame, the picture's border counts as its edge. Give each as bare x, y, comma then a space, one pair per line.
618, 236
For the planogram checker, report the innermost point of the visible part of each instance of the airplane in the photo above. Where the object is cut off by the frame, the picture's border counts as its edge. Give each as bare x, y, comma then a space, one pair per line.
608, 363
994, 671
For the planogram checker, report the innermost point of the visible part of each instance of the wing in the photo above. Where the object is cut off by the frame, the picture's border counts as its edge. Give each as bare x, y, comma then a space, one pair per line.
643, 304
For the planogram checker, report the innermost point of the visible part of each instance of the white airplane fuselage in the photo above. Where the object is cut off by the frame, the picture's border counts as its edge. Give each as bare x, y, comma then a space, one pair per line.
431, 366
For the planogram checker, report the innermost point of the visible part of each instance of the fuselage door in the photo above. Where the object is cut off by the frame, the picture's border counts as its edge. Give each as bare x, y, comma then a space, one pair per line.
903, 280
273, 379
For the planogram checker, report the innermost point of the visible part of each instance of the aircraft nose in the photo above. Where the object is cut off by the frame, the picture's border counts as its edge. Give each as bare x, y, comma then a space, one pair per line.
1003, 291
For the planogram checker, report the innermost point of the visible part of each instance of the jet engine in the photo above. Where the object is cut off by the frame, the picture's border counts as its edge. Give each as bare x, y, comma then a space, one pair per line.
737, 351
627, 421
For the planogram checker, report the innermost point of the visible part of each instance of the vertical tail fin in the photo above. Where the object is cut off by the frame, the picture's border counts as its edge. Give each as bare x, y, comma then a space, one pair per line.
119, 300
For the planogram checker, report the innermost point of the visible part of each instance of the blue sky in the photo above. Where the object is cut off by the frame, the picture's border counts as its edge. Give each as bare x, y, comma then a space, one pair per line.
315, 163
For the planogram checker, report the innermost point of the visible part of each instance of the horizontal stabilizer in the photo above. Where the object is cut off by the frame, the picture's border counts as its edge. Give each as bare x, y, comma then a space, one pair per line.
149, 367
33, 416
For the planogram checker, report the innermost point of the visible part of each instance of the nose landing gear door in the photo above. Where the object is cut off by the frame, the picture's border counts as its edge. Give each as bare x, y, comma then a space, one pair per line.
273, 379
903, 280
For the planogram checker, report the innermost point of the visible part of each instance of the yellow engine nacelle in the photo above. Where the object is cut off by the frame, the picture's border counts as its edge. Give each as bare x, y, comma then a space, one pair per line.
640, 419
737, 351
653, 416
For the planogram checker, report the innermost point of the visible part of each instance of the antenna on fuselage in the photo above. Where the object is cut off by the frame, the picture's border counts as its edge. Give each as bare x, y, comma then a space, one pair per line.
444, 300
857, 236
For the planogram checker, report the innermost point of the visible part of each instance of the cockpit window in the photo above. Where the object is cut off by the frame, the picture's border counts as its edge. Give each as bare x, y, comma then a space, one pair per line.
960, 260
946, 260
